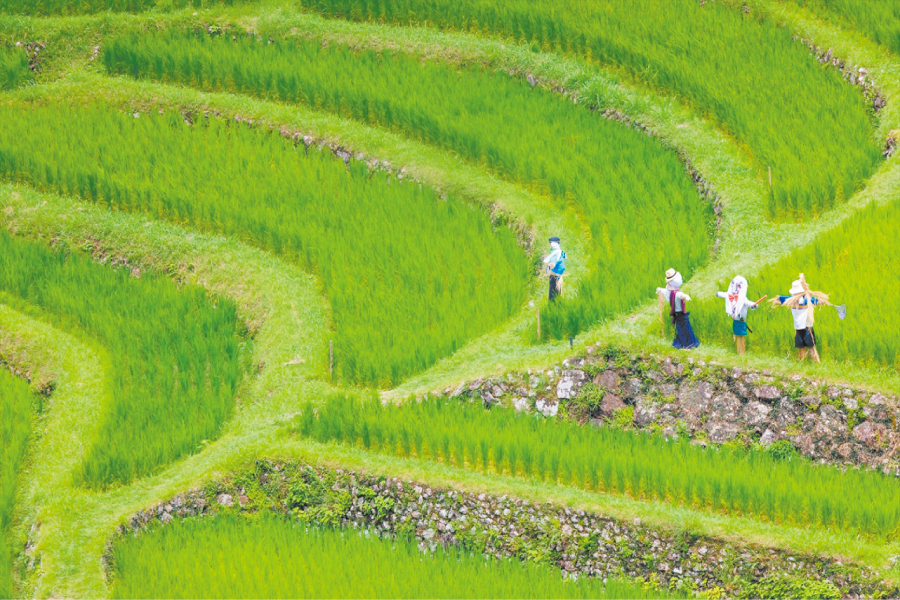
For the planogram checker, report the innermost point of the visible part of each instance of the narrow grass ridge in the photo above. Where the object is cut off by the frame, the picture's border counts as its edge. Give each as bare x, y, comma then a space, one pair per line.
624, 183
878, 20
179, 359
402, 294
816, 134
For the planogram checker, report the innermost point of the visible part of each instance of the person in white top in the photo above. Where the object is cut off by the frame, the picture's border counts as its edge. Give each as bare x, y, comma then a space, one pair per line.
677, 301
802, 303
736, 307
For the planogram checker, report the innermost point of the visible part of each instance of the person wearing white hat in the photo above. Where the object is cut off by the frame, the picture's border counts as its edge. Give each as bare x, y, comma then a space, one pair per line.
677, 301
736, 307
556, 267
802, 303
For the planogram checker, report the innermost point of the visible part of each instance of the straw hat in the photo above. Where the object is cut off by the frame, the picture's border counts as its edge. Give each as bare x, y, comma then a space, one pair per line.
796, 288
670, 275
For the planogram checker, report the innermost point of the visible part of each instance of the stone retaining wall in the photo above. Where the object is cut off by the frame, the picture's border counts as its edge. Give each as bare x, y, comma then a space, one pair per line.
709, 403
579, 543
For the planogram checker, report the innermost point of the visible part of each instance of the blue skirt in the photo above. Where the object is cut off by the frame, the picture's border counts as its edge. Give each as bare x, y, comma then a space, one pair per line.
684, 333
739, 327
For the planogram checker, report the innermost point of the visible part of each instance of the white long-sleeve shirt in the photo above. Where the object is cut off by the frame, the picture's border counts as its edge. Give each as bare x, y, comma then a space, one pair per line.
742, 311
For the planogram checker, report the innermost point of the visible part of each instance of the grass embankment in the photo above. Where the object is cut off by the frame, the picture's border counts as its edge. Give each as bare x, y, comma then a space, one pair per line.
403, 294
613, 461
14, 69
178, 358
876, 19
794, 116
269, 557
71, 553
16, 409
529, 136
80, 7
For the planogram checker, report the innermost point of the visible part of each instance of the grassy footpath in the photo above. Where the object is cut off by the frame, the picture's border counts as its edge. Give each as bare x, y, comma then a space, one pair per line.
76, 524
803, 121
283, 304
77, 368
154, 329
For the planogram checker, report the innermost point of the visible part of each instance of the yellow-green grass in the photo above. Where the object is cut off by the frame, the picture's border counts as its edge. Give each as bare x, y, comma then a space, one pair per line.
269, 557
876, 19
75, 7
799, 119
624, 183
16, 408
71, 563
748, 243
404, 292
613, 461
180, 355
13, 68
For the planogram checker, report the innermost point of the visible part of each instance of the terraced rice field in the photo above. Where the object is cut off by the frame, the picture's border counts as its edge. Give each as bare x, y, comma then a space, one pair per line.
18, 407
523, 134
276, 268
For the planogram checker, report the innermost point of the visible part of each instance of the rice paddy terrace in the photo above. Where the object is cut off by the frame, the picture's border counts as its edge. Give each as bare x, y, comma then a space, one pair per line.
273, 321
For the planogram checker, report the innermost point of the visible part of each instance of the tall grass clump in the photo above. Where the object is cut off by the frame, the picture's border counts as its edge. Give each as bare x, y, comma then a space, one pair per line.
14, 69
81, 7
15, 428
229, 556
410, 276
877, 19
614, 461
643, 210
176, 354
856, 264
793, 115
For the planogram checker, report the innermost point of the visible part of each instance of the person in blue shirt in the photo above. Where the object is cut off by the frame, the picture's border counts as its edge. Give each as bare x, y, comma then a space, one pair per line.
556, 267
802, 303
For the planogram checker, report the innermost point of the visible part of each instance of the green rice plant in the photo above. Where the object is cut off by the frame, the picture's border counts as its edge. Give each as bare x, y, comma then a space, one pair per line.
177, 355
230, 556
16, 410
643, 466
14, 69
410, 276
856, 265
793, 115
81, 7
877, 19
628, 187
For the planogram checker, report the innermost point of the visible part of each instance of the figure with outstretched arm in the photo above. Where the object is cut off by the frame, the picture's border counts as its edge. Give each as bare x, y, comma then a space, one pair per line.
803, 302
677, 301
736, 307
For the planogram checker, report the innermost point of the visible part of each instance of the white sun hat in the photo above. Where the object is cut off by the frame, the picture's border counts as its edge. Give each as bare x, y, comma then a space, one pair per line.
796, 288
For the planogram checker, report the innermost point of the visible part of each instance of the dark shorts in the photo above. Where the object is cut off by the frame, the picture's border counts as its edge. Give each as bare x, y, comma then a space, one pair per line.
805, 338
739, 327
